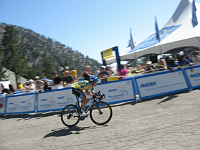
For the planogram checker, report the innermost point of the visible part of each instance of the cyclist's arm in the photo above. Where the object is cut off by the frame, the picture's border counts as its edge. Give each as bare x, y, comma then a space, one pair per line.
89, 93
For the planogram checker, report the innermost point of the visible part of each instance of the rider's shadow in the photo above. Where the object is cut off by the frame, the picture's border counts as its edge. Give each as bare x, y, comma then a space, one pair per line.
67, 131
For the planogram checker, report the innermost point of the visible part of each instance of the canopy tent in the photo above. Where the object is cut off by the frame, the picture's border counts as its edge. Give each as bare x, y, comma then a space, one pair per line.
176, 33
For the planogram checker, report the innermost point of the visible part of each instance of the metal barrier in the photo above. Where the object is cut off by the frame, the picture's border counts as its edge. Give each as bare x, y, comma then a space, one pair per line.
137, 87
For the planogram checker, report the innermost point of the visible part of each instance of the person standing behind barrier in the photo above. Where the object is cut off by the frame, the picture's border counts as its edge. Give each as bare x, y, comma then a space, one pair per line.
30, 87
149, 67
67, 79
38, 83
196, 58
122, 72
74, 73
104, 74
171, 65
57, 81
162, 64
4, 90
11, 89
183, 62
110, 70
86, 74
46, 86
19, 86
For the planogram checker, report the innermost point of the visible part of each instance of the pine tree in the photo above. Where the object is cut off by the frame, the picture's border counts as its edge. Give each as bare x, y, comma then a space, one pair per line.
13, 55
48, 68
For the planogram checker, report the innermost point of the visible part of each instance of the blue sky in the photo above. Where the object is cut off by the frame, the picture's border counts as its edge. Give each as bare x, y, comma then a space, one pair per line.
89, 26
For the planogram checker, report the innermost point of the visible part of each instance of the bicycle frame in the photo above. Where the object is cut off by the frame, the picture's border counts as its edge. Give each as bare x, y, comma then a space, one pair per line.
89, 107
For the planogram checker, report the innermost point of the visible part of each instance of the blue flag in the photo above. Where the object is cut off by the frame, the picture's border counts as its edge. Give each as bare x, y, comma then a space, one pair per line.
194, 16
157, 31
131, 43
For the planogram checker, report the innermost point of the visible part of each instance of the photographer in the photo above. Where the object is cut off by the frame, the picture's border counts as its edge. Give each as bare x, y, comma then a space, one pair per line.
31, 85
149, 67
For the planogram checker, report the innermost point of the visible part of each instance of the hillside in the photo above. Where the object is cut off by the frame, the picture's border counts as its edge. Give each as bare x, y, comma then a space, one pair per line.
39, 47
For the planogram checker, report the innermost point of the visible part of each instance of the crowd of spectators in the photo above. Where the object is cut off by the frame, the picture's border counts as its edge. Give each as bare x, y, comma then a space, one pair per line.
169, 63
69, 77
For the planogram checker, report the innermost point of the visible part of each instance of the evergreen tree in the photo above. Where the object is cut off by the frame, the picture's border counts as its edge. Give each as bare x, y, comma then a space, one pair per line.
48, 68
13, 55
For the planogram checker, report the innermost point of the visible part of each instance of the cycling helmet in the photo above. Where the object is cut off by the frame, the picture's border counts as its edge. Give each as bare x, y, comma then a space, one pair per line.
93, 79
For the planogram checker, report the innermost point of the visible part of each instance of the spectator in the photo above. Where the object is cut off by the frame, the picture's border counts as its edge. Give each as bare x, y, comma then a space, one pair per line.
46, 86
67, 79
162, 64
4, 90
103, 74
57, 81
74, 73
149, 67
11, 89
172, 64
183, 62
110, 70
31, 85
167, 59
86, 74
122, 72
186, 55
38, 83
196, 58
19, 86
96, 72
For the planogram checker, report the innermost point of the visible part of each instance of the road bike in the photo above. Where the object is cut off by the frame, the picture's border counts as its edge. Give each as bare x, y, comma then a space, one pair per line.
100, 112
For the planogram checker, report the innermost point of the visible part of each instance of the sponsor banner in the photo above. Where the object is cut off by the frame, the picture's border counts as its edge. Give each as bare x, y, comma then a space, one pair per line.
193, 77
55, 99
162, 83
117, 91
107, 53
2, 103
21, 103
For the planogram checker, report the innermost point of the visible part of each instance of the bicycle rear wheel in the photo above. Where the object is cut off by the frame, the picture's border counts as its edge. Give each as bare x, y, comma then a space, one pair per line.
101, 113
70, 115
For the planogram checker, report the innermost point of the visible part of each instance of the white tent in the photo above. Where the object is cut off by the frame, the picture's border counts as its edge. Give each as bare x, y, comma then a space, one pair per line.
176, 33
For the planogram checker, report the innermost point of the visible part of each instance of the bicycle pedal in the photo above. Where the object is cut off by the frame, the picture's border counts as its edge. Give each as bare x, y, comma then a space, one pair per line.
81, 118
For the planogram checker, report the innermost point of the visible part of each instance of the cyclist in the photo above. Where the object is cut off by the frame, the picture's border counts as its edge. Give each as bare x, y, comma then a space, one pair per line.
81, 88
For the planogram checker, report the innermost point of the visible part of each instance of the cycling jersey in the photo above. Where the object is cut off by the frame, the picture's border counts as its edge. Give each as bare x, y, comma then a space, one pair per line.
83, 85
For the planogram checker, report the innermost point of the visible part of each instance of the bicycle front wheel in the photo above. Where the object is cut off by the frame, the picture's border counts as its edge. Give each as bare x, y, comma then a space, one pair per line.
101, 113
70, 115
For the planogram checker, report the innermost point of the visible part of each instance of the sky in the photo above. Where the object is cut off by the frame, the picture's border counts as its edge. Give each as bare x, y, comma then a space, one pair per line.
89, 26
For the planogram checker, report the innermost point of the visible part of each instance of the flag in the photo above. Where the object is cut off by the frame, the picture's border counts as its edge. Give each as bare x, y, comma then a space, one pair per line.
157, 31
131, 43
194, 16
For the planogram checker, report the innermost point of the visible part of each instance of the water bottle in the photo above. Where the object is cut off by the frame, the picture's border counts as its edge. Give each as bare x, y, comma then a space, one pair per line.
137, 98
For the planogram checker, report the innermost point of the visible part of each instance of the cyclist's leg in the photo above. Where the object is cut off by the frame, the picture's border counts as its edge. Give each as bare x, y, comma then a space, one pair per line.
85, 100
80, 94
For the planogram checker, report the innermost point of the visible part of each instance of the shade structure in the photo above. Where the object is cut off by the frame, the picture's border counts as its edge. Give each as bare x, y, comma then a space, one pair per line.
176, 33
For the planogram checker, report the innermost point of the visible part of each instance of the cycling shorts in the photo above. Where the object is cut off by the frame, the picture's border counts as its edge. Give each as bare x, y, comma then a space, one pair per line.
77, 92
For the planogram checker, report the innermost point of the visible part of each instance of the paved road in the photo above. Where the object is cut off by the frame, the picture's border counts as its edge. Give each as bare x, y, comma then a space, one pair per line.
166, 123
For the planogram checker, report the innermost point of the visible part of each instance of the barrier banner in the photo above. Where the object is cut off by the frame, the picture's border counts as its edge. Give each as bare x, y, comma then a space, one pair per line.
193, 77
2, 103
55, 99
23, 103
161, 83
117, 91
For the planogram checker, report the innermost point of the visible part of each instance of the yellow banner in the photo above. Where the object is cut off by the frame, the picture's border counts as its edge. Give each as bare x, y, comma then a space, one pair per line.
107, 53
